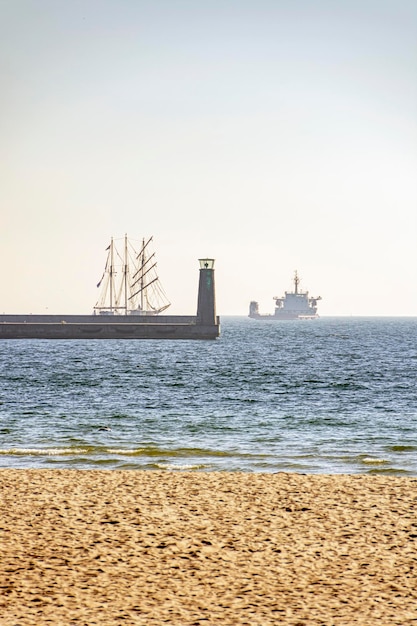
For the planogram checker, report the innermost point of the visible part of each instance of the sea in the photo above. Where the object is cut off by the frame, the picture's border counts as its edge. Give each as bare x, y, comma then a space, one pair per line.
332, 395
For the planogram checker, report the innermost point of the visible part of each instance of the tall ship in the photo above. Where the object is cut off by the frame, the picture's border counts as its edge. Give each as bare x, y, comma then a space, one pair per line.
131, 305
130, 284
293, 305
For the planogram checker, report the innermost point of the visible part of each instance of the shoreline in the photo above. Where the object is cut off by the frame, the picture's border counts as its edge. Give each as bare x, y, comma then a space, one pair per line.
178, 548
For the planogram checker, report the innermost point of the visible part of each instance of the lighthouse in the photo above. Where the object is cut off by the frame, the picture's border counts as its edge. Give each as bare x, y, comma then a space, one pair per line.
206, 308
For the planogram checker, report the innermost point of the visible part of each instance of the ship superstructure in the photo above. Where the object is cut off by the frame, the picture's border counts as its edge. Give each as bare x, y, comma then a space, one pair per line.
293, 305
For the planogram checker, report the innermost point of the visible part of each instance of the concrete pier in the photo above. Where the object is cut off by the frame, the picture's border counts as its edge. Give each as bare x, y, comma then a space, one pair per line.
205, 325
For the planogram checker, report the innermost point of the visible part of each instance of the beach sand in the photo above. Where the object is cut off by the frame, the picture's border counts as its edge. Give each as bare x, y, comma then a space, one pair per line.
186, 548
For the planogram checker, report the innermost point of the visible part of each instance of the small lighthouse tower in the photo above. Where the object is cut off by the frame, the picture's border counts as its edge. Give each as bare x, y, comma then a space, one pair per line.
206, 309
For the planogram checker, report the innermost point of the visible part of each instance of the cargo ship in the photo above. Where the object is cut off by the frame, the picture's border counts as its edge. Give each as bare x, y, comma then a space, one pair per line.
129, 306
293, 305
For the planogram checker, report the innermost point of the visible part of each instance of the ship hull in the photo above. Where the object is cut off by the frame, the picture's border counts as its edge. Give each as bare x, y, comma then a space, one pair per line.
284, 316
90, 327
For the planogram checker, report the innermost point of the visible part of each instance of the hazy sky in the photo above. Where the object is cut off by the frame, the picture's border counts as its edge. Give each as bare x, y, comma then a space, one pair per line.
272, 135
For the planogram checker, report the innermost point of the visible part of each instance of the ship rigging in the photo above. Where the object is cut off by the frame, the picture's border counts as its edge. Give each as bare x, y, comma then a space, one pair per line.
130, 284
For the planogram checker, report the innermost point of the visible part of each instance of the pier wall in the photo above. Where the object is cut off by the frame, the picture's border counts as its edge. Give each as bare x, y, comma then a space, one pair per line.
97, 319
76, 330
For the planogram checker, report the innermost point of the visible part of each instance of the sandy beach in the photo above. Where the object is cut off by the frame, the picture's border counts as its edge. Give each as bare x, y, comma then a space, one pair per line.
135, 547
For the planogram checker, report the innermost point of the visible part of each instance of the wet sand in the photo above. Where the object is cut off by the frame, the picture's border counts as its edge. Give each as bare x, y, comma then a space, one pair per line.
135, 547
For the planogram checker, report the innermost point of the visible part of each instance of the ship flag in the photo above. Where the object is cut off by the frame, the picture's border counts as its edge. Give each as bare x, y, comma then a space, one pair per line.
101, 280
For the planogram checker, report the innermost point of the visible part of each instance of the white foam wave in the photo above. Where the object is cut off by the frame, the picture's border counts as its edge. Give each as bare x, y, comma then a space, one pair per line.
171, 466
371, 461
121, 451
41, 451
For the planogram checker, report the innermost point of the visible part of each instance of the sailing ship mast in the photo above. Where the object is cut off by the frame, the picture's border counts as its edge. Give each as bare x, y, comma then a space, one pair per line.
139, 291
112, 272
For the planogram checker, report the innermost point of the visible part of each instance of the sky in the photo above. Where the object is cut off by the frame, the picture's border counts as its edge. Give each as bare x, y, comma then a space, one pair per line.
270, 135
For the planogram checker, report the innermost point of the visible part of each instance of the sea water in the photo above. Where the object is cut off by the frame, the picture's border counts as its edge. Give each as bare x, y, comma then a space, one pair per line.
332, 395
